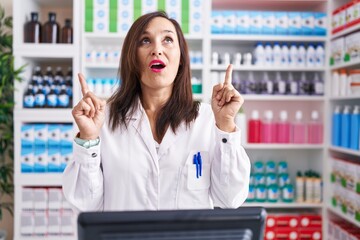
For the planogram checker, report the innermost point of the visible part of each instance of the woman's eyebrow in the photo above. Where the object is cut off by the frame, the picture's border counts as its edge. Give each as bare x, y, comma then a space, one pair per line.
164, 31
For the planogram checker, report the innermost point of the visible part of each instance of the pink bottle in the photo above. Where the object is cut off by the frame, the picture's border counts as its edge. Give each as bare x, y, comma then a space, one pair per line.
283, 128
268, 128
254, 126
315, 129
298, 129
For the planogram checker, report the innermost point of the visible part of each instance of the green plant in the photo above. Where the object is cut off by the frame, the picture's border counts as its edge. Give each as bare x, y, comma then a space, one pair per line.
8, 74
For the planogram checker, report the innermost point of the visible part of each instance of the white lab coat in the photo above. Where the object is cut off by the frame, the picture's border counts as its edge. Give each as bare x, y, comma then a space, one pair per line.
125, 171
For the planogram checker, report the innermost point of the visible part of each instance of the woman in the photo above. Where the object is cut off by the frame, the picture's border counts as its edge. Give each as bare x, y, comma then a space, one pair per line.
158, 149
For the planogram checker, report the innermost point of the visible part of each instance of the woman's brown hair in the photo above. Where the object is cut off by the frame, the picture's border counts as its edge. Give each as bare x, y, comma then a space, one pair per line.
123, 103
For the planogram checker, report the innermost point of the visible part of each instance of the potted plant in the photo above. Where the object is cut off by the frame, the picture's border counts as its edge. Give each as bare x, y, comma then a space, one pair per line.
8, 74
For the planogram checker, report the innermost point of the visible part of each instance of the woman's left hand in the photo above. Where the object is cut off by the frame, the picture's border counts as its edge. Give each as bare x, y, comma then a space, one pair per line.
226, 102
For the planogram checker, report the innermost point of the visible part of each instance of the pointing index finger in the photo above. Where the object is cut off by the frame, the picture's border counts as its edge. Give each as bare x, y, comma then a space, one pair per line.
228, 76
83, 84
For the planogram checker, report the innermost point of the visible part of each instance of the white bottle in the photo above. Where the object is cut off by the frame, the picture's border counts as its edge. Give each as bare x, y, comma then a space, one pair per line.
281, 84
343, 81
301, 55
319, 56
284, 55
294, 55
268, 55
335, 78
319, 84
215, 59
277, 55
259, 55
310, 56
268, 83
294, 85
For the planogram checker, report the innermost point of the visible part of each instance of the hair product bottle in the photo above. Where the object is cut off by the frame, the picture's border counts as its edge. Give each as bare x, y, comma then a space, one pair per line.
32, 29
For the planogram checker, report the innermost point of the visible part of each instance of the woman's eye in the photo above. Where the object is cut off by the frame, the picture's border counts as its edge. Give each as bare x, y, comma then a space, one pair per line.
145, 41
168, 40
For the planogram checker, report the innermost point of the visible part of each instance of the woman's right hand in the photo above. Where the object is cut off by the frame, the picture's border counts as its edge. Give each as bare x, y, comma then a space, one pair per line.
89, 113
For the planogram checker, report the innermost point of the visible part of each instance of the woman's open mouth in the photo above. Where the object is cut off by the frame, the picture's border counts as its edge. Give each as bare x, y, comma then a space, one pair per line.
157, 65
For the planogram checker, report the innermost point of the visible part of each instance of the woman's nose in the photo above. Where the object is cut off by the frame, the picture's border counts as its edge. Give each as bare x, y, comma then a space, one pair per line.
157, 51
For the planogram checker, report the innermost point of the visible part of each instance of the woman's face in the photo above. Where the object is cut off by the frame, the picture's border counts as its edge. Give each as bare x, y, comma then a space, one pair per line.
159, 55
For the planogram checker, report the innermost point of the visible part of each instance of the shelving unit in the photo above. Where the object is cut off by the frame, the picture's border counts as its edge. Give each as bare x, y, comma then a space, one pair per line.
43, 55
299, 157
334, 151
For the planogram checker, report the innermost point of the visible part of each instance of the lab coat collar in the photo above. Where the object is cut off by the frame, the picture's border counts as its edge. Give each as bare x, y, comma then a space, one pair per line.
170, 138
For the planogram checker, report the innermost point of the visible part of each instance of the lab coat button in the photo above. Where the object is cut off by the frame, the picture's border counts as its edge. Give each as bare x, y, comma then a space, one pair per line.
94, 155
224, 140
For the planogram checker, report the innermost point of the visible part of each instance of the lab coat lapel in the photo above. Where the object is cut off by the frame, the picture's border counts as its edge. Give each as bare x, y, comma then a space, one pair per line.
170, 138
142, 126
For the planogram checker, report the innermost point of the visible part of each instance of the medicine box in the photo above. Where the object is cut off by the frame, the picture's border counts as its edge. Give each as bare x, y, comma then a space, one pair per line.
268, 22
307, 23
320, 24
27, 135
242, 22
281, 23
54, 159
217, 22
66, 135
256, 22
229, 19
41, 135
40, 159
294, 23
53, 135
27, 160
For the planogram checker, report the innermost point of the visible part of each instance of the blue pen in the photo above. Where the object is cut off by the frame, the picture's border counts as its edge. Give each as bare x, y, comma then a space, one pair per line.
195, 161
199, 160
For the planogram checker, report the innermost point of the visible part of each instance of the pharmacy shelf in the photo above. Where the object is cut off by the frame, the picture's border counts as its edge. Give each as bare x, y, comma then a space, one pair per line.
266, 38
268, 68
254, 97
282, 205
345, 150
44, 50
343, 216
345, 31
351, 64
39, 179
43, 115
353, 97
283, 146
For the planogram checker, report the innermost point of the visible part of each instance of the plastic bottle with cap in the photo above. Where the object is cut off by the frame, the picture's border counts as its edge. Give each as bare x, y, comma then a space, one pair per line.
299, 191
315, 129
254, 127
259, 54
268, 128
284, 55
268, 84
335, 78
355, 128
294, 55
301, 55
298, 129
318, 85
276, 54
345, 127
310, 56
283, 128
280, 84
268, 55
293, 88
319, 55
336, 127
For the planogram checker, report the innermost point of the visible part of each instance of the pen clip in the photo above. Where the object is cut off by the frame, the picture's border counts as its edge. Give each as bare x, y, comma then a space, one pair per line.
195, 161
199, 160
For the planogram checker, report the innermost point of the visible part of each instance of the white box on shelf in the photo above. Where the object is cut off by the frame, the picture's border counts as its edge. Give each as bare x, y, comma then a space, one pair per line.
53, 135
268, 22
242, 22
66, 139
65, 157
217, 22
256, 22
307, 23
40, 159
196, 17
281, 23
148, 6
40, 133
101, 3
27, 160
67, 223
53, 160
40, 223
229, 22
27, 135
101, 21
353, 46
294, 23
27, 223
337, 49
27, 199
125, 16
41, 199
173, 9
320, 24
54, 223
55, 198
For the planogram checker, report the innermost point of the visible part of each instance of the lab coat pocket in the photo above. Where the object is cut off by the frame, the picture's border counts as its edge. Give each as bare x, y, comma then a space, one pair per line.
198, 178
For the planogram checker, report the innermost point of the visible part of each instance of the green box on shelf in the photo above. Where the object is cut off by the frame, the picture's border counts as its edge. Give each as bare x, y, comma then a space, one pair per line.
89, 3
89, 26
89, 14
196, 88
